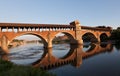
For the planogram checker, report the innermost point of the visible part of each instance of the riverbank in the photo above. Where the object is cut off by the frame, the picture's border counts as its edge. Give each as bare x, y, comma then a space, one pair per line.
9, 69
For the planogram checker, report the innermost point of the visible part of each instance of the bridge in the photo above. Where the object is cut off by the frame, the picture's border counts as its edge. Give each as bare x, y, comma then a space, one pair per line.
47, 32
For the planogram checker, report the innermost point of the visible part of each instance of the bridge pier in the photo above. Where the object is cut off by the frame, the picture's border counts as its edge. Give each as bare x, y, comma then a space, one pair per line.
4, 44
49, 44
79, 56
98, 37
98, 40
77, 42
49, 40
78, 32
80, 41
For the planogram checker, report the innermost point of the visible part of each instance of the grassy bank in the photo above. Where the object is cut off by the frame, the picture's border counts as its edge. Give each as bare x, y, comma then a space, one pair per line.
9, 69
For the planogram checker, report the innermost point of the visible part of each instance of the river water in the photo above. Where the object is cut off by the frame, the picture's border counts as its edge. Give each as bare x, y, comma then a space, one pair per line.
69, 60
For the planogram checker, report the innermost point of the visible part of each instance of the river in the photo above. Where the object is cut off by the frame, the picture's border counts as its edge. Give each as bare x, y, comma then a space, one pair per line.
66, 60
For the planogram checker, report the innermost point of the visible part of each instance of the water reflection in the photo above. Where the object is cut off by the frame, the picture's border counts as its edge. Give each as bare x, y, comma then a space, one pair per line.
25, 54
60, 50
117, 45
46, 59
75, 56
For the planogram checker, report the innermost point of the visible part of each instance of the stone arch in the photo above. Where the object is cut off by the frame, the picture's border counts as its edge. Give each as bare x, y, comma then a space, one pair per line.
35, 34
89, 37
69, 35
104, 37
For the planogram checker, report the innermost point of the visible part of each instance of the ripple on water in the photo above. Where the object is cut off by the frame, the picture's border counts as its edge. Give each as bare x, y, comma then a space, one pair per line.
26, 54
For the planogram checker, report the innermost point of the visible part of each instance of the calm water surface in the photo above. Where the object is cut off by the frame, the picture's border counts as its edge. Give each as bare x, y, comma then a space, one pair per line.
66, 60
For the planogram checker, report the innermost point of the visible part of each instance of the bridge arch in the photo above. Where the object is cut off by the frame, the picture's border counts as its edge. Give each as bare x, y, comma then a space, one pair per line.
104, 37
35, 34
68, 34
89, 37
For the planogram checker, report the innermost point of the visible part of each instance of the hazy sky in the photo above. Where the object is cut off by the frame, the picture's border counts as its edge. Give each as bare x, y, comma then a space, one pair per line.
88, 12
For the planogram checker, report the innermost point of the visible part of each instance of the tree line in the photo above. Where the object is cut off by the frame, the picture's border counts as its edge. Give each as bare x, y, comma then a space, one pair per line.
115, 34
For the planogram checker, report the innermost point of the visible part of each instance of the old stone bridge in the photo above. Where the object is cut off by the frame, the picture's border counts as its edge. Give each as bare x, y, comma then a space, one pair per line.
47, 32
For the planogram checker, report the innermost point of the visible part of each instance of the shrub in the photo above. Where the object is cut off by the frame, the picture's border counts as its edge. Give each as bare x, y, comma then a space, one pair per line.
9, 69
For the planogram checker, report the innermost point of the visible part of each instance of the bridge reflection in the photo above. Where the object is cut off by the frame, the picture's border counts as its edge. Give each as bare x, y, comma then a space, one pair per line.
75, 56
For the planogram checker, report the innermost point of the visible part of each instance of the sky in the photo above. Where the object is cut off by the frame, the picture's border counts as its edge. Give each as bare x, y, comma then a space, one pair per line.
88, 12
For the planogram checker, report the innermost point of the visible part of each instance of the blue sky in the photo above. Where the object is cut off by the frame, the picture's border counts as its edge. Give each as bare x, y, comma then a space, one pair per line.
88, 12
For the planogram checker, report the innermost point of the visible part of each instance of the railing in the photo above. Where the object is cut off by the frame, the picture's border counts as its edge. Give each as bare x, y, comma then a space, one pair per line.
19, 29
16, 27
